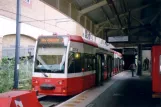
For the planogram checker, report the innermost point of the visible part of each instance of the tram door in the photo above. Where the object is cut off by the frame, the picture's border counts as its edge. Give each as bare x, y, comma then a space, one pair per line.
156, 69
109, 66
99, 68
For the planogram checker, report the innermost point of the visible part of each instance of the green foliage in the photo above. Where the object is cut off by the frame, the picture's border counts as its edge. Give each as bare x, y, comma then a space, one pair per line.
7, 74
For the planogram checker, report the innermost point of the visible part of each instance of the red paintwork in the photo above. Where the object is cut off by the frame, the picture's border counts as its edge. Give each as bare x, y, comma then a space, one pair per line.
80, 39
156, 76
54, 81
76, 38
90, 43
5, 102
105, 76
79, 84
70, 85
115, 71
27, 98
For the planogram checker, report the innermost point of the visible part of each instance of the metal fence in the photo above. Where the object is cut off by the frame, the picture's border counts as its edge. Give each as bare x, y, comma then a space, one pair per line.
7, 74
10, 51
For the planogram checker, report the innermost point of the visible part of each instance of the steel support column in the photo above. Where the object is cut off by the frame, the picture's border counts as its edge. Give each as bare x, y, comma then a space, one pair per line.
139, 71
17, 48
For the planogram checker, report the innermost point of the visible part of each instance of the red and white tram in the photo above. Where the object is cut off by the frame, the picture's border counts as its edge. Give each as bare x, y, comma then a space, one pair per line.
68, 65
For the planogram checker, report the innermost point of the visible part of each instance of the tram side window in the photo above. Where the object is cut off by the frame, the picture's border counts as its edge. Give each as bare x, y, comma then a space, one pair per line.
85, 63
94, 63
74, 63
106, 63
89, 62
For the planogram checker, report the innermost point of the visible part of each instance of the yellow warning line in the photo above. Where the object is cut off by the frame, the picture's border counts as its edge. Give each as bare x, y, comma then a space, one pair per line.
77, 100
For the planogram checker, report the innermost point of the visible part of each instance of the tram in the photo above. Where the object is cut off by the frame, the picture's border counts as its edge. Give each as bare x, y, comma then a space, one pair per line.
68, 65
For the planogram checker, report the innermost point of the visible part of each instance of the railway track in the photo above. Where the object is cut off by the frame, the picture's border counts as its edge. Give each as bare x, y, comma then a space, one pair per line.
51, 101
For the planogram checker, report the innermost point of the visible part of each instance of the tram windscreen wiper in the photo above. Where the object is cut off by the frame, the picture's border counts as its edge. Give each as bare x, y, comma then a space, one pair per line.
44, 74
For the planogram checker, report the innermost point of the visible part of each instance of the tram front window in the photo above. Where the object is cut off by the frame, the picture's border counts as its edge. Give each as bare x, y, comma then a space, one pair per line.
50, 59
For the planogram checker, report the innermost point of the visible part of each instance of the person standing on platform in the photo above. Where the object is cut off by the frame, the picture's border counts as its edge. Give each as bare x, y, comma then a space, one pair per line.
132, 68
146, 63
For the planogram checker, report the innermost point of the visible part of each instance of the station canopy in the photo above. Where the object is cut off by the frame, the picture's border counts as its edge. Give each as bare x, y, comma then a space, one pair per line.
121, 22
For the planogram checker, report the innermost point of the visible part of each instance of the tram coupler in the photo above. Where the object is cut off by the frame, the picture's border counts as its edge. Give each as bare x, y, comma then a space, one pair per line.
19, 99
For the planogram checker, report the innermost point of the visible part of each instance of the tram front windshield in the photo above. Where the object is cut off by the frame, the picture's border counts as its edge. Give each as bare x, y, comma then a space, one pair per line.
50, 58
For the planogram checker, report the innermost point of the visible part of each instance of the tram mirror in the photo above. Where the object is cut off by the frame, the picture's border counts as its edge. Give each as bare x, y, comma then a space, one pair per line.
76, 55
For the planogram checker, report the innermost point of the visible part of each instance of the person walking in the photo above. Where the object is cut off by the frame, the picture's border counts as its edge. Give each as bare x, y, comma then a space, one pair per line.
132, 68
147, 63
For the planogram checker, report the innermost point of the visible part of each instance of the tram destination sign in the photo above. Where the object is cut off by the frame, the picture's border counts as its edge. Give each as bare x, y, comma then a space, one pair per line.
118, 39
49, 40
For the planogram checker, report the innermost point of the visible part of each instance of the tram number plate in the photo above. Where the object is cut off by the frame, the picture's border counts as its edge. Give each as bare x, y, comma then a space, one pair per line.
74, 49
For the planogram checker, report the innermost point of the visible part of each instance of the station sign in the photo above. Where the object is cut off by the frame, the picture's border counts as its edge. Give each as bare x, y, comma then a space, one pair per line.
118, 39
129, 51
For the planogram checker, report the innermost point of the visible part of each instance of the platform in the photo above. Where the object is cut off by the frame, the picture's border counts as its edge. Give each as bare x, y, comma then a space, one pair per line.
122, 90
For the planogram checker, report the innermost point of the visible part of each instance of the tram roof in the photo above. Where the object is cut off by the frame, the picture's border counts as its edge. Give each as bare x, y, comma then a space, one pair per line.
80, 39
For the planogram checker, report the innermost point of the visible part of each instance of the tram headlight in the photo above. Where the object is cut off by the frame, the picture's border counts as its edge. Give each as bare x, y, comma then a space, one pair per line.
35, 81
77, 55
60, 82
64, 90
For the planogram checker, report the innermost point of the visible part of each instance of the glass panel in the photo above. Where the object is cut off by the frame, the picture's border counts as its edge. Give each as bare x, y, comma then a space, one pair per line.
74, 62
50, 59
86, 62
89, 62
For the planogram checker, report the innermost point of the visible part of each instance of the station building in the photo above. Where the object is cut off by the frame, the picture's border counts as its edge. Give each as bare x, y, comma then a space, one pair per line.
37, 19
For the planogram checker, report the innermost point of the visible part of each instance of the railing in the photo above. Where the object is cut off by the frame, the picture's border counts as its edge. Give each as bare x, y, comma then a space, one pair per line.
24, 83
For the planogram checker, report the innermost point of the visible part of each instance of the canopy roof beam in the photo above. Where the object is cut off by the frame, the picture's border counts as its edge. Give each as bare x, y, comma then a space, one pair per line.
125, 14
93, 7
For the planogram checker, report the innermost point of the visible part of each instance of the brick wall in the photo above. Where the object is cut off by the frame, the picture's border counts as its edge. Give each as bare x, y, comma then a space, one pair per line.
25, 41
8, 46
